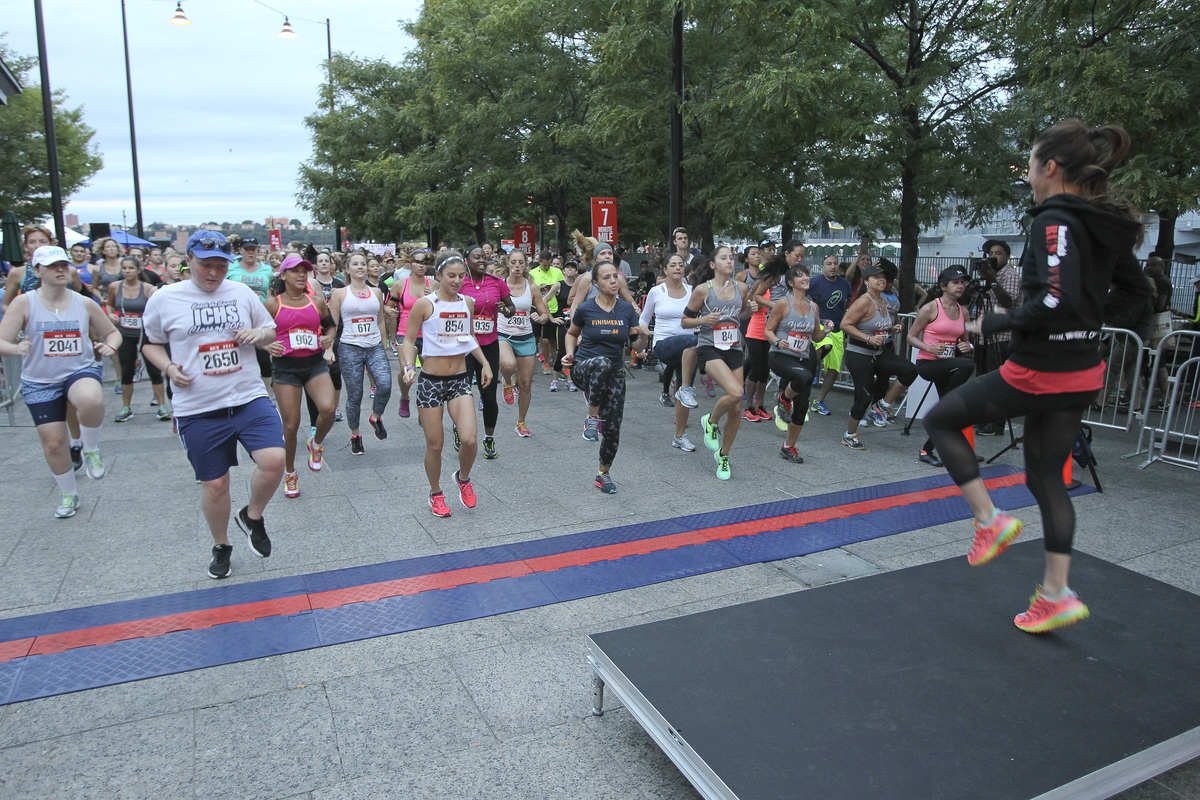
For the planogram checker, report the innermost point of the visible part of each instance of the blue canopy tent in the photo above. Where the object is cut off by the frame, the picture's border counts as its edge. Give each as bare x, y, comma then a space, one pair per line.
125, 239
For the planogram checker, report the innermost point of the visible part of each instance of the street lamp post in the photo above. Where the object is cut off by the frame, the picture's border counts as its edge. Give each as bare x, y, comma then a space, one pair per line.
137, 187
56, 200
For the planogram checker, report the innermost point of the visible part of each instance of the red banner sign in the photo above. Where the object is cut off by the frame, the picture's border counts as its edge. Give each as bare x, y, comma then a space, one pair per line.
276, 238
604, 219
524, 236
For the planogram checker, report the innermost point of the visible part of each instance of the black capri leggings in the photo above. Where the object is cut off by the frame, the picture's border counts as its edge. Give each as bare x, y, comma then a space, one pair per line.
946, 375
602, 380
335, 375
491, 411
756, 354
1051, 428
871, 375
127, 355
797, 373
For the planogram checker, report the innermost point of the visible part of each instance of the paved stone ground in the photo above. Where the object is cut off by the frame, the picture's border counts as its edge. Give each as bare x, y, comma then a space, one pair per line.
496, 707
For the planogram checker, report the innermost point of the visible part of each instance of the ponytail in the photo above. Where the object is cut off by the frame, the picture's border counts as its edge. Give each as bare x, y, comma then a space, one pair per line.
1087, 157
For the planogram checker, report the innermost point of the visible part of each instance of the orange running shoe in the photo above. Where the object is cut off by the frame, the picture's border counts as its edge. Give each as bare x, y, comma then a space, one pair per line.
1046, 615
992, 540
508, 393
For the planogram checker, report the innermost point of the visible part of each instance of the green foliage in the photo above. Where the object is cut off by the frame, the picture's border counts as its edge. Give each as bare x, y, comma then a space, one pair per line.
24, 170
874, 113
1133, 64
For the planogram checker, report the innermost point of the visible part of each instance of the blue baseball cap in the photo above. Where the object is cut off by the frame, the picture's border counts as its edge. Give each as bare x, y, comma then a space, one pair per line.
209, 244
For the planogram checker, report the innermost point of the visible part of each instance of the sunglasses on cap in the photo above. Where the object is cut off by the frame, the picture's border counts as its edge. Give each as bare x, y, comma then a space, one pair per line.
212, 244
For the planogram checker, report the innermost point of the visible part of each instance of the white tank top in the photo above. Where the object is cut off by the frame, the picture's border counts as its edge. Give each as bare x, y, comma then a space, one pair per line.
360, 319
447, 332
61, 345
519, 323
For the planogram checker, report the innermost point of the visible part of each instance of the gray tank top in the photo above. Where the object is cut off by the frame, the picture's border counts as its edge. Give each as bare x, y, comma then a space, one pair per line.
726, 334
794, 334
61, 344
103, 279
880, 323
130, 311
592, 294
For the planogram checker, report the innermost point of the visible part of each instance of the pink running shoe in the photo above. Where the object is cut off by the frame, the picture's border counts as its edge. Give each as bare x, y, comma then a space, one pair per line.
466, 492
403, 409
992, 540
291, 484
508, 393
438, 503
1045, 615
316, 455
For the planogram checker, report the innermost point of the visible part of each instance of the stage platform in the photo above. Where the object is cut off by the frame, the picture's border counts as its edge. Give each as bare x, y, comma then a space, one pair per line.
916, 684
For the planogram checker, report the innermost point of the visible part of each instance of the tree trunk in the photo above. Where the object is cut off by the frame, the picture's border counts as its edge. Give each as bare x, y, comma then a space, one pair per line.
480, 226
910, 230
432, 240
1165, 248
707, 241
787, 229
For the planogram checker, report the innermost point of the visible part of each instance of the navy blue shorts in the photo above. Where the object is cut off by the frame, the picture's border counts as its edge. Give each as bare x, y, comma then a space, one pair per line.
211, 438
47, 402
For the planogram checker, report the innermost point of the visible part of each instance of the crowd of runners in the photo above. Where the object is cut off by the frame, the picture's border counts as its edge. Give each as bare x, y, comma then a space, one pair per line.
238, 347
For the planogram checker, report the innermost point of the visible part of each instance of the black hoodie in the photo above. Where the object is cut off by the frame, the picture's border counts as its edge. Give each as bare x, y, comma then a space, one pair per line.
1077, 268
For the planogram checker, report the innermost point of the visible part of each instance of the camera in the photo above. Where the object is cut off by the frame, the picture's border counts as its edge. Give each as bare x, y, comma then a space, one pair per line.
990, 263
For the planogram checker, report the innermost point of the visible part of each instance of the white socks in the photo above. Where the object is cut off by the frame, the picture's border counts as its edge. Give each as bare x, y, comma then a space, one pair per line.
90, 437
66, 482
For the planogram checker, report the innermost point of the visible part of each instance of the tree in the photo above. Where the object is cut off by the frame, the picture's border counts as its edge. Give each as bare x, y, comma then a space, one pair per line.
938, 129
1135, 65
24, 170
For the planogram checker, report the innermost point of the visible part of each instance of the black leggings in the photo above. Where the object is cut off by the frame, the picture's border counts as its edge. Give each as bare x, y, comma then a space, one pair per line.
335, 375
756, 354
872, 374
559, 334
602, 380
946, 375
1051, 428
491, 411
127, 355
797, 373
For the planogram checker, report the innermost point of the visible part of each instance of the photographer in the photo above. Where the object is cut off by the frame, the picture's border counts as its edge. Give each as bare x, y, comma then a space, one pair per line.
1003, 283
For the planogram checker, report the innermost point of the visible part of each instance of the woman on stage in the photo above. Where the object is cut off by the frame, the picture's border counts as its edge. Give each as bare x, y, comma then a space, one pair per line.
1078, 266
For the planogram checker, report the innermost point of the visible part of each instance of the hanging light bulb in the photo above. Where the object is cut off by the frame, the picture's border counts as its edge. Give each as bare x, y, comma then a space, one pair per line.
287, 32
180, 18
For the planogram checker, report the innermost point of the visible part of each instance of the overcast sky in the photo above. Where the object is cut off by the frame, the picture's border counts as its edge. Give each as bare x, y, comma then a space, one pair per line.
220, 104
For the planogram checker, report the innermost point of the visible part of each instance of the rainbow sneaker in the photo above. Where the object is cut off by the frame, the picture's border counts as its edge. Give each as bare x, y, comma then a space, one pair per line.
1045, 615
993, 539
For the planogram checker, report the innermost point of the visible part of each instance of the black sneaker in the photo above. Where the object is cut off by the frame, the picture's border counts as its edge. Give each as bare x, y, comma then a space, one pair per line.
219, 566
929, 458
489, 448
457, 441
356, 446
256, 533
991, 429
377, 424
77, 457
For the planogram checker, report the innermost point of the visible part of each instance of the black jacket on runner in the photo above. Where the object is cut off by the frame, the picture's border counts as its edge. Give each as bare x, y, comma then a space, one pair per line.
1078, 267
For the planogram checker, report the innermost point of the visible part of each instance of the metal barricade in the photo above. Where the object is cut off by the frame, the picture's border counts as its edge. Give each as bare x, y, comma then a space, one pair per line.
10, 384
1178, 440
1115, 406
1172, 362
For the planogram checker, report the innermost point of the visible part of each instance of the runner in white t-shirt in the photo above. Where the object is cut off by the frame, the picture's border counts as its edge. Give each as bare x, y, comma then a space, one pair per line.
212, 327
